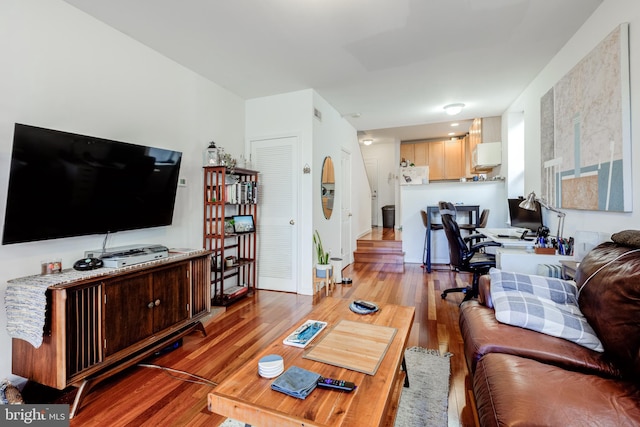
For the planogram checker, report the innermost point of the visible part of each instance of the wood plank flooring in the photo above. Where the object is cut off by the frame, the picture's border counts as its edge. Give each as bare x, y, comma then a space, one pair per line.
151, 397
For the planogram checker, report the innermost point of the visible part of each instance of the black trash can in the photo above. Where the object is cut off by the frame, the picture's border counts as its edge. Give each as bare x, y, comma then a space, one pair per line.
389, 216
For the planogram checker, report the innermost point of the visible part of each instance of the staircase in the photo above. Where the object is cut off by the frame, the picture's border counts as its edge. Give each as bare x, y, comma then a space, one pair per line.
372, 249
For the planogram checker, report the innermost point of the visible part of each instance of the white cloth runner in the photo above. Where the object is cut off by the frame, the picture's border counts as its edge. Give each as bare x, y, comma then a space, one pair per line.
26, 305
26, 301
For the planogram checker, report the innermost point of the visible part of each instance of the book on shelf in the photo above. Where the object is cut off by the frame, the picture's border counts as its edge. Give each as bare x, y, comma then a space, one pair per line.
235, 291
241, 193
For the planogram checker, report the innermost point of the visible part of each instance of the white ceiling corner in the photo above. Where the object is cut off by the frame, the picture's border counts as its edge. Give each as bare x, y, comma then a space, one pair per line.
395, 63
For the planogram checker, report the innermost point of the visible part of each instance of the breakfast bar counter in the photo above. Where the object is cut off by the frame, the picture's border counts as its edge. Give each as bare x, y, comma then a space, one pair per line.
414, 198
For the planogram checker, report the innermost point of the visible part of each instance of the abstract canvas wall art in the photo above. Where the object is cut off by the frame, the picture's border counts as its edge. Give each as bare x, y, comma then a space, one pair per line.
586, 131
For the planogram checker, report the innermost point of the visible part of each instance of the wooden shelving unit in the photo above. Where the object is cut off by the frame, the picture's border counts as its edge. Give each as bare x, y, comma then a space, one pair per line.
228, 193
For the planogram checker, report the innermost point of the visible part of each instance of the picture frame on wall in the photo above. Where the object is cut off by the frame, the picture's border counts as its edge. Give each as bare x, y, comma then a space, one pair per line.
585, 135
414, 175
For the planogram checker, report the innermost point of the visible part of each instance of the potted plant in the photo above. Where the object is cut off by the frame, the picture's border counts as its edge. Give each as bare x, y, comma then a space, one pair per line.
322, 257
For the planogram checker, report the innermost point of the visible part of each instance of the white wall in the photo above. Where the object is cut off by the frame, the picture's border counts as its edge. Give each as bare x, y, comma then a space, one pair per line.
487, 195
605, 19
286, 115
65, 70
331, 136
291, 114
387, 156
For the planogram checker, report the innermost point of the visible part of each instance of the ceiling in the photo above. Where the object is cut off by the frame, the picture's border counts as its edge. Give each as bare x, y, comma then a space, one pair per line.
388, 66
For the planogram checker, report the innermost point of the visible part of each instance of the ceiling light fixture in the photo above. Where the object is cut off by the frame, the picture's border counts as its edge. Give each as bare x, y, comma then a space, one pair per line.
454, 124
453, 109
367, 141
451, 133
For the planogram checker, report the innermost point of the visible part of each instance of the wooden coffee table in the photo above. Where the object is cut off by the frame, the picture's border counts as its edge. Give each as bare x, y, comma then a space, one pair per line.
247, 397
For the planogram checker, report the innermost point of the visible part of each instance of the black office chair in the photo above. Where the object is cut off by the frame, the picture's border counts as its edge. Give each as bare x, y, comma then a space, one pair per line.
463, 255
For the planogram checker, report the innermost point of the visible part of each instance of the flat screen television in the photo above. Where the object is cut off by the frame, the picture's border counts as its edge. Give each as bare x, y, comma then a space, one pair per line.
523, 218
63, 184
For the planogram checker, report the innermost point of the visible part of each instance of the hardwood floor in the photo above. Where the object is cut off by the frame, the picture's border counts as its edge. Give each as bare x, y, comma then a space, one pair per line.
152, 397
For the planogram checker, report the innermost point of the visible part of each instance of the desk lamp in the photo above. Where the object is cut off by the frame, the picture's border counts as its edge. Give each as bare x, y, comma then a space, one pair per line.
530, 204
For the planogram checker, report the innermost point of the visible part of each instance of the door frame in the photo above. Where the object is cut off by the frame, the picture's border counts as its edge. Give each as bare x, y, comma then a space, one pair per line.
346, 178
373, 162
296, 259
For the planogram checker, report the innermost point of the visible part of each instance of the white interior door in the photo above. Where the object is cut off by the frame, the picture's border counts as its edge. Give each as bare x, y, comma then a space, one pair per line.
345, 212
277, 209
371, 166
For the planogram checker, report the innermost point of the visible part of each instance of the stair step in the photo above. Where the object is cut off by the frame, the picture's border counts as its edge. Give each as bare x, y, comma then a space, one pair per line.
386, 264
379, 246
373, 257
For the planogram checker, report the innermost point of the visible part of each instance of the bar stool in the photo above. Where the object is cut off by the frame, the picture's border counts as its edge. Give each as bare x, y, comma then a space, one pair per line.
425, 221
482, 222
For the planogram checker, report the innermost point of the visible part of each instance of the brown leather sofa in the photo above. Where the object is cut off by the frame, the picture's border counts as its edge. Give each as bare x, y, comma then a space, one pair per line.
525, 378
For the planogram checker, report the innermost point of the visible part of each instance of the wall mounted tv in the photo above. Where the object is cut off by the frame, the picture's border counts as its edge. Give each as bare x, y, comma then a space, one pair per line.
63, 184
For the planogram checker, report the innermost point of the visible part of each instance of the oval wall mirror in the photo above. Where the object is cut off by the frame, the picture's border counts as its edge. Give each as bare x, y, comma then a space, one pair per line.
328, 189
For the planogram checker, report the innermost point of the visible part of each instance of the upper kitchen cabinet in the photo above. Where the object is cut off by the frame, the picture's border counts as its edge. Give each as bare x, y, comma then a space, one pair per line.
484, 131
445, 158
415, 152
486, 155
407, 153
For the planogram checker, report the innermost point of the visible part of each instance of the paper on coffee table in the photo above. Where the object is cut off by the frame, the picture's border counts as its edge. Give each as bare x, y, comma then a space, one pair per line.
305, 333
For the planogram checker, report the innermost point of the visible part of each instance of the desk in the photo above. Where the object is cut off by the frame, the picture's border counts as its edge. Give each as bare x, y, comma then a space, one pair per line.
517, 260
513, 241
518, 255
474, 215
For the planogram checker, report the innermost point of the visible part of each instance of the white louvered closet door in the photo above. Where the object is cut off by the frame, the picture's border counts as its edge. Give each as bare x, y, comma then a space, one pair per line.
277, 212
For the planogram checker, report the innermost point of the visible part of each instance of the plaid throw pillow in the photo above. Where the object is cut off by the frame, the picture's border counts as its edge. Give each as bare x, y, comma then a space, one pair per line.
542, 304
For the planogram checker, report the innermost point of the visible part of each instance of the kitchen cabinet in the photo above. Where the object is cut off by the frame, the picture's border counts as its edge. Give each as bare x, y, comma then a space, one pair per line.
482, 131
407, 152
421, 153
454, 159
486, 155
446, 158
416, 153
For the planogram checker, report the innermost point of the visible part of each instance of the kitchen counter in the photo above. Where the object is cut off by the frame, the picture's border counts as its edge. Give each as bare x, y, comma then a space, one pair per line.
489, 194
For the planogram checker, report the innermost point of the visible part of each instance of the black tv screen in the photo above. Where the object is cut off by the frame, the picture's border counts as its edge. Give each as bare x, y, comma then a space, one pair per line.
523, 218
63, 184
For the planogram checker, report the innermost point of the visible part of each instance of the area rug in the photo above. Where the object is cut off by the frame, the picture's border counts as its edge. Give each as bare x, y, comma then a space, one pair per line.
426, 401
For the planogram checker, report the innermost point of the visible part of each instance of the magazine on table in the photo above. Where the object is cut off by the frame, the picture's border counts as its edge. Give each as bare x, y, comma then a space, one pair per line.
305, 333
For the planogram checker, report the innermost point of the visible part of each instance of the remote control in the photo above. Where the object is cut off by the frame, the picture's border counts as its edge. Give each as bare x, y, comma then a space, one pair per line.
365, 304
336, 384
